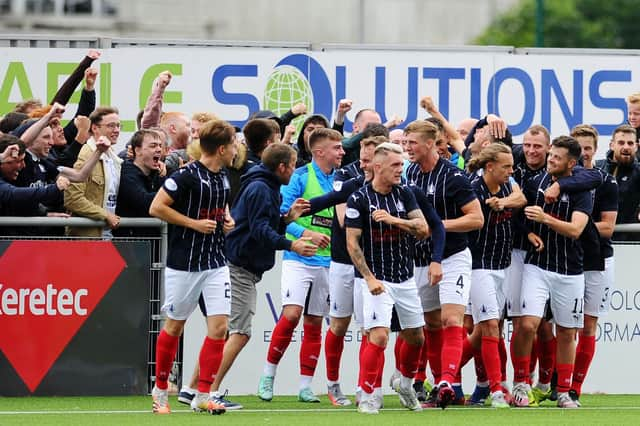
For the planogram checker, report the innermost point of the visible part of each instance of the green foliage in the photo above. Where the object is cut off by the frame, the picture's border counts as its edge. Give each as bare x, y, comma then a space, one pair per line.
569, 23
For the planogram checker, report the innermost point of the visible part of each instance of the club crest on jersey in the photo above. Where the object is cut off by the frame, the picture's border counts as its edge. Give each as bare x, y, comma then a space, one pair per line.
431, 189
352, 213
564, 198
225, 183
337, 185
400, 206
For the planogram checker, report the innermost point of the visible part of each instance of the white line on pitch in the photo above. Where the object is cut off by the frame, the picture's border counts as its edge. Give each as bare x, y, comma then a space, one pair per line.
287, 410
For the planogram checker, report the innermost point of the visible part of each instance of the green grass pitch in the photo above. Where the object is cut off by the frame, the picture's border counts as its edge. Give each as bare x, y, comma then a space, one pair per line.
285, 410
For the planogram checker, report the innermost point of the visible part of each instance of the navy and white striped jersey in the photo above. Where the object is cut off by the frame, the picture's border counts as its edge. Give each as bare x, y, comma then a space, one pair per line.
491, 245
605, 200
199, 194
387, 249
339, 251
521, 174
448, 189
561, 254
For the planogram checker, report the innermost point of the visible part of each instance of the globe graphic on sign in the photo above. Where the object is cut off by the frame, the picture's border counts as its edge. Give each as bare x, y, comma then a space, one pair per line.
286, 86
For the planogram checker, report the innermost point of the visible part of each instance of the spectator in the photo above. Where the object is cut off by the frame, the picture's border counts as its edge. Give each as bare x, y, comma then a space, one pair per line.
465, 126
621, 162
153, 109
177, 127
139, 181
96, 198
12, 198
351, 144
27, 106
285, 119
258, 134
11, 121
197, 120
311, 123
633, 112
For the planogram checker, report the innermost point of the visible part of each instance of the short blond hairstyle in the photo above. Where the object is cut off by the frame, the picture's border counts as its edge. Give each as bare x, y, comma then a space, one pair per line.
633, 98
426, 129
204, 116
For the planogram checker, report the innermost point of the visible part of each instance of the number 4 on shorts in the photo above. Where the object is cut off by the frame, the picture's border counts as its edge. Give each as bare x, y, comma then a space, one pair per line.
460, 282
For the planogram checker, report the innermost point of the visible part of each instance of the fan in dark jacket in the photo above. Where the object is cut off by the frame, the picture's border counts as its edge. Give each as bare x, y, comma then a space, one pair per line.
139, 182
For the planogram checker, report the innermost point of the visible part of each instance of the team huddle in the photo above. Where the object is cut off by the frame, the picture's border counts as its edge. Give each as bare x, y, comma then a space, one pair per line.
440, 238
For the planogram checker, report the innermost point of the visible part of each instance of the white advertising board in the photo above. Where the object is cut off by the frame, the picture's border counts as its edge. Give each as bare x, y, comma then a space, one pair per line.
612, 371
558, 91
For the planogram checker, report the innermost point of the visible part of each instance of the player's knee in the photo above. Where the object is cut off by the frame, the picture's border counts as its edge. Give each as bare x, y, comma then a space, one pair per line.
292, 313
527, 327
379, 336
490, 328
413, 336
339, 326
565, 335
173, 327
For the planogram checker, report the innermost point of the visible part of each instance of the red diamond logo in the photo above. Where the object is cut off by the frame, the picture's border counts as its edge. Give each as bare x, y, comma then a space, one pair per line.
48, 289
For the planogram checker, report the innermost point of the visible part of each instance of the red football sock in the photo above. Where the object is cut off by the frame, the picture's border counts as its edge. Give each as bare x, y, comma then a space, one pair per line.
210, 358
370, 366
421, 375
584, 355
512, 347
533, 357
547, 357
434, 351
521, 369
409, 358
397, 350
491, 359
564, 377
280, 339
451, 352
481, 372
166, 347
467, 354
363, 346
378, 383
333, 346
310, 349
502, 349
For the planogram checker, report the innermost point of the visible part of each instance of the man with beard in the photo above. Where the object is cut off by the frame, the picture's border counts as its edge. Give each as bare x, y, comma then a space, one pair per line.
622, 164
555, 272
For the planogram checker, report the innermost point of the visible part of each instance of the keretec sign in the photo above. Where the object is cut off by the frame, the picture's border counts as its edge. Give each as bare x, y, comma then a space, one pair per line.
50, 301
45, 301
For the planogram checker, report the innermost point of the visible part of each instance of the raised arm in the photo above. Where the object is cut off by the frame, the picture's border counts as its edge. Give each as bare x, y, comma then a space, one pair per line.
66, 90
32, 132
85, 107
455, 140
153, 108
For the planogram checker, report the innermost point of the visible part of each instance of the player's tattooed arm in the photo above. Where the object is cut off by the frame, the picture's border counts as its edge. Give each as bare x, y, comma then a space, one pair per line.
415, 225
359, 262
